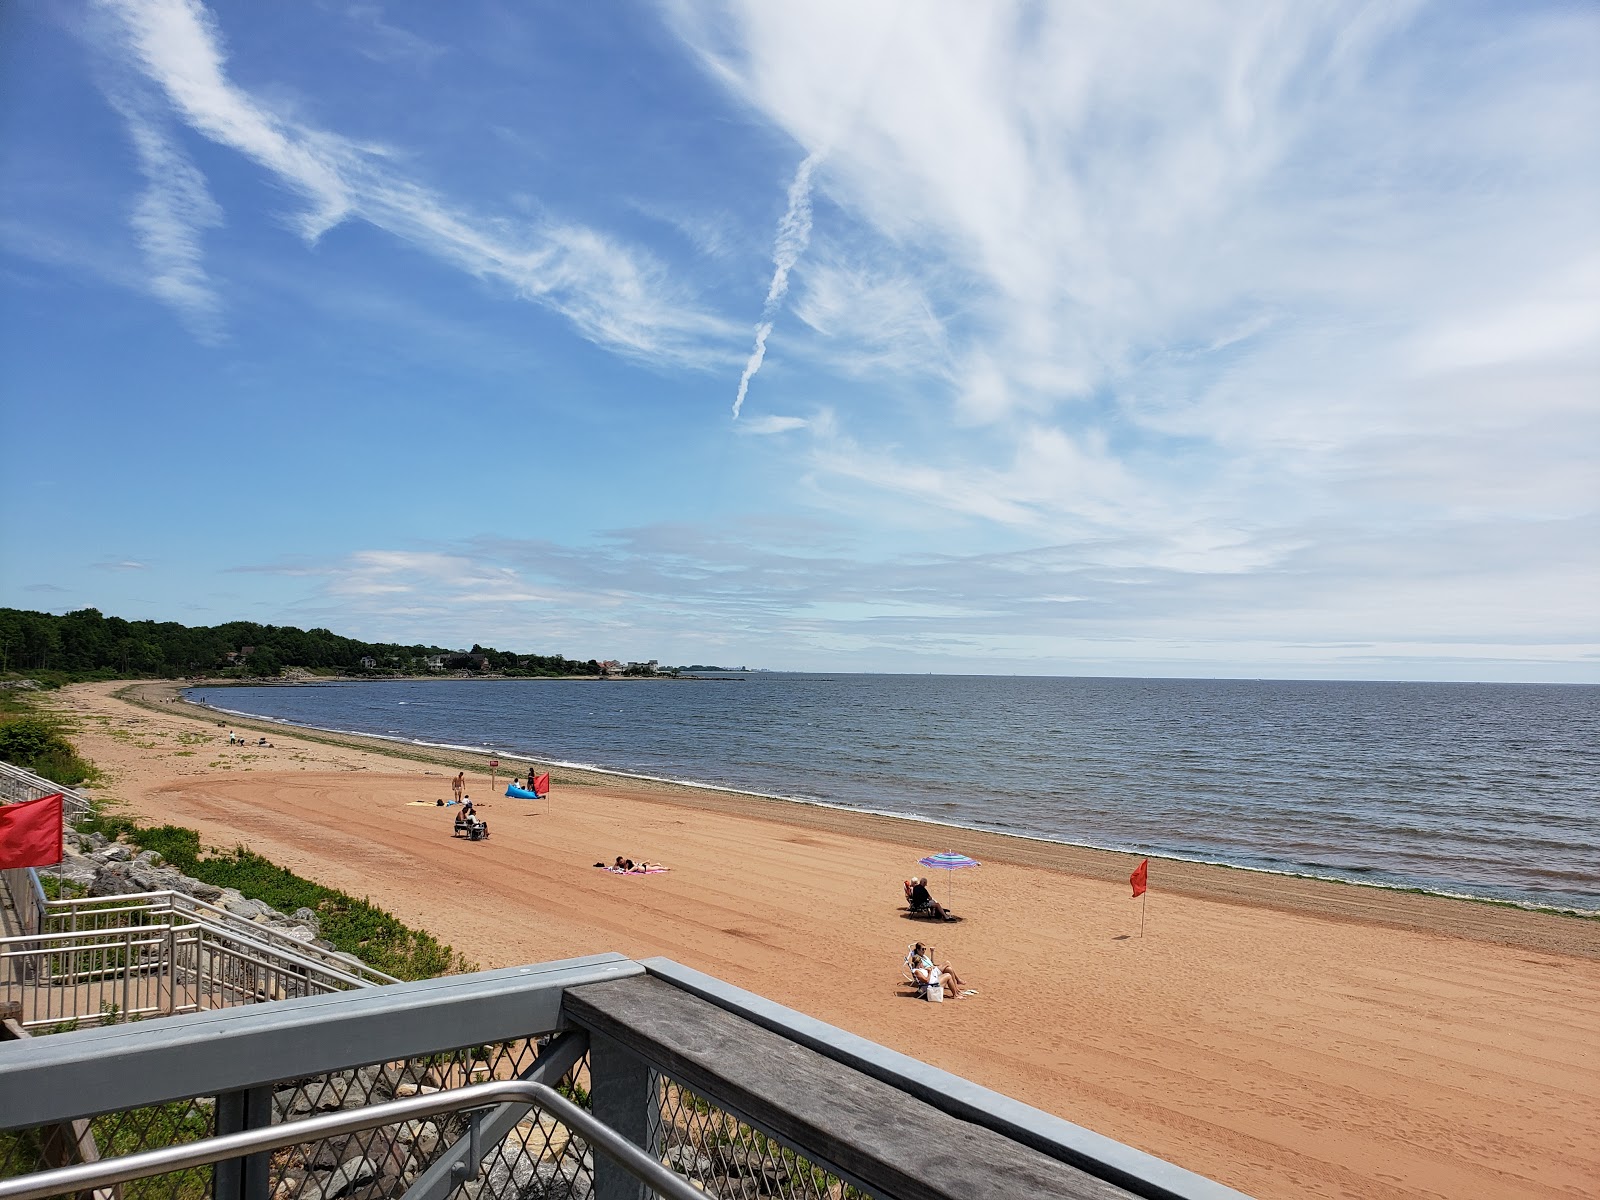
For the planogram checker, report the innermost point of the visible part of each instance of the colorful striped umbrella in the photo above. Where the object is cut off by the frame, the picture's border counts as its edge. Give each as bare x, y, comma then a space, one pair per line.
949, 861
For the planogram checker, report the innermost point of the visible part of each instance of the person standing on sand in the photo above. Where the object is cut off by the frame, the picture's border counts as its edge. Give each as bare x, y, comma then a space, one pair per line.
458, 786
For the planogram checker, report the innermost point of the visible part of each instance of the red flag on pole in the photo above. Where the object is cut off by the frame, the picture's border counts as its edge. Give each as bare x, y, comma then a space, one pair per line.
30, 833
1140, 875
541, 784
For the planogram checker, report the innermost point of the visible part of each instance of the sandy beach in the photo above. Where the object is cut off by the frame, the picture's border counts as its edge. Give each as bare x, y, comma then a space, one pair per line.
1288, 1037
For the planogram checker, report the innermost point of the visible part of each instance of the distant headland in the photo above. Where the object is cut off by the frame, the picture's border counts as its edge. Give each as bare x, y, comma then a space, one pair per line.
86, 645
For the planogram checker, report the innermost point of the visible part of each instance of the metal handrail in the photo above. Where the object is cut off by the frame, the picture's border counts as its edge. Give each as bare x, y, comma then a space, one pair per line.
221, 921
15, 781
86, 939
108, 1172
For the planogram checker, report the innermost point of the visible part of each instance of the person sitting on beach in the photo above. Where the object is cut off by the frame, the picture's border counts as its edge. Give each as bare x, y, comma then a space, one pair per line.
922, 901
923, 970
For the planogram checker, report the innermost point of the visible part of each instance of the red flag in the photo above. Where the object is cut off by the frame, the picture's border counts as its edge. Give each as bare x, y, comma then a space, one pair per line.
30, 833
1140, 875
541, 784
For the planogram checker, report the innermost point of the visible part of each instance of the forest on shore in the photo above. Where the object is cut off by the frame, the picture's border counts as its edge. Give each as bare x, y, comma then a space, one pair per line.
86, 644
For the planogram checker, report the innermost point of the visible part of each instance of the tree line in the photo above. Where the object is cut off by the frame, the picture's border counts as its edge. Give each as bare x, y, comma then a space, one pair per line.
87, 643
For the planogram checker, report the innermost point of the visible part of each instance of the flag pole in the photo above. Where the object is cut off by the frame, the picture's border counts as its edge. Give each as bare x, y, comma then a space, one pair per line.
1144, 899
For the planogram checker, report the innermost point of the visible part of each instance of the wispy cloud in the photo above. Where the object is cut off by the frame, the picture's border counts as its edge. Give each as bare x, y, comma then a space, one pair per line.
793, 592
121, 564
383, 41
1230, 272
170, 220
794, 234
772, 424
615, 296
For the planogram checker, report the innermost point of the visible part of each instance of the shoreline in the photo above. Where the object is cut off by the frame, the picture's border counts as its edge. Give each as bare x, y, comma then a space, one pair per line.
1382, 903
604, 773
1285, 1036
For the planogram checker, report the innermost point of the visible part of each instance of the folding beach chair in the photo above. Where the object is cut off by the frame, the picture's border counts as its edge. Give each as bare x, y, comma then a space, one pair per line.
932, 990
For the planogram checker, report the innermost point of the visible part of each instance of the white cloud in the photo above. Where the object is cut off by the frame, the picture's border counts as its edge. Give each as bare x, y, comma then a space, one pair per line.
615, 296
1231, 273
170, 220
772, 424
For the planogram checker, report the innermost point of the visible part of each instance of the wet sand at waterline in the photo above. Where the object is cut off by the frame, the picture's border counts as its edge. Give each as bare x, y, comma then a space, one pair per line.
1285, 1036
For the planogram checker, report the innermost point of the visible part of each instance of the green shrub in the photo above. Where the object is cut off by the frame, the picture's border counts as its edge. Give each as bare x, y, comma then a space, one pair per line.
35, 744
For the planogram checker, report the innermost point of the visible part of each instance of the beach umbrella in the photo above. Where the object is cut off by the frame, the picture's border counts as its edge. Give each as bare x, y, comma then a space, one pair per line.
949, 860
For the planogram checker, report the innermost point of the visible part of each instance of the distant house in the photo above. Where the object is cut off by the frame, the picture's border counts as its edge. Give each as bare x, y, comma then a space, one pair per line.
435, 662
610, 666
368, 662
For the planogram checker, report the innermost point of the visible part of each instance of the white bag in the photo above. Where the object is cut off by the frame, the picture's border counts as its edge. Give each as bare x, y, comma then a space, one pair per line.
935, 992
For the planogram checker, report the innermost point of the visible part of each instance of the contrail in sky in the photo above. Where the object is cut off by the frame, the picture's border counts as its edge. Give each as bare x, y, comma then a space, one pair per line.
794, 232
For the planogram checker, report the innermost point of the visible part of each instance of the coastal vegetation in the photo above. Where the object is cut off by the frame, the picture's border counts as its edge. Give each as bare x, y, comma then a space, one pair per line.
86, 644
37, 742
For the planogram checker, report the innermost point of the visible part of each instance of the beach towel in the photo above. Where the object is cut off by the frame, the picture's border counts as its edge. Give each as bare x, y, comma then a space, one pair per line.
646, 871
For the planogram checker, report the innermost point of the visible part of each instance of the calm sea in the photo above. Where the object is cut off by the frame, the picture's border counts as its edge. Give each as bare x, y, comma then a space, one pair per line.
1472, 789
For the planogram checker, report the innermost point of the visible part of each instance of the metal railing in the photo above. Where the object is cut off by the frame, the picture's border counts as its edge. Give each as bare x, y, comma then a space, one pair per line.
464, 1164
91, 913
129, 971
19, 784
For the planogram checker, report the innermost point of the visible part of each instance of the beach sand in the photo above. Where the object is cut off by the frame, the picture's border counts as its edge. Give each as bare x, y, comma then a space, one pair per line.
1288, 1037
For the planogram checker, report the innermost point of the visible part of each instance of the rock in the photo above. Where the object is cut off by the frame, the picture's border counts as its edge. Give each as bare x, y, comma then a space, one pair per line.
541, 1135
306, 916
344, 1178
518, 1173
76, 868
686, 1160
248, 909
150, 858
332, 1095
156, 879
284, 1104
427, 1140
209, 892
374, 1082
112, 880
116, 852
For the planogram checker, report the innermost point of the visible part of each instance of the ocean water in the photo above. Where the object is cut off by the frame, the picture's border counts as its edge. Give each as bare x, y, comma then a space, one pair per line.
1483, 790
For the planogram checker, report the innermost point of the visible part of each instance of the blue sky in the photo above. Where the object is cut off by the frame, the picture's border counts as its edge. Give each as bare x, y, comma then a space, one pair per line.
1155, 339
